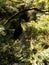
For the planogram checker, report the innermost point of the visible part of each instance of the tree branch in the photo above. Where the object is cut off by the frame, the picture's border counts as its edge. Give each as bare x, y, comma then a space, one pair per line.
17, 14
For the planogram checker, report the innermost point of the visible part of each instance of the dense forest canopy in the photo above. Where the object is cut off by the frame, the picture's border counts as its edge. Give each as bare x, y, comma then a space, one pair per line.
24, 32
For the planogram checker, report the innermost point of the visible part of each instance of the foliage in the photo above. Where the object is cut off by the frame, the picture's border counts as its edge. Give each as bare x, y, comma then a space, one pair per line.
32, 47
